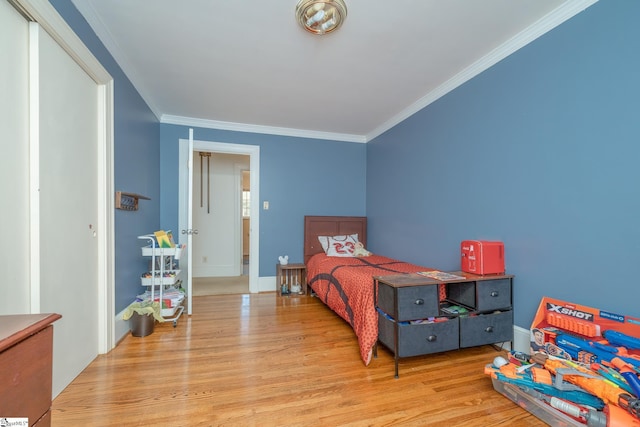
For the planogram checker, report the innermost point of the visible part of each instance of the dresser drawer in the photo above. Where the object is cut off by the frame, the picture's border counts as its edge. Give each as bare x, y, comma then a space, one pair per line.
482, 295
25, 370
424, 338
486, 329
493, 294
414, 302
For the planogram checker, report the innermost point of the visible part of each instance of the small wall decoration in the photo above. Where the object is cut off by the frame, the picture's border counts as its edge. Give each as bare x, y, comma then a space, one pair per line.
128, 201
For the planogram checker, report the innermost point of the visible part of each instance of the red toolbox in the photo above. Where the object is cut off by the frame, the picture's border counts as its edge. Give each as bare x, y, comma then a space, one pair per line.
482, 257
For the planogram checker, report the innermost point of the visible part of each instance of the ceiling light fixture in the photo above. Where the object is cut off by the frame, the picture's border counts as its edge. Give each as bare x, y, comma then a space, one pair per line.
321, 16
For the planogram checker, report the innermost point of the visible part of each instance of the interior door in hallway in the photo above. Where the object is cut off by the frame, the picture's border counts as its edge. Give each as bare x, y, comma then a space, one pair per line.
217, 214
189, 165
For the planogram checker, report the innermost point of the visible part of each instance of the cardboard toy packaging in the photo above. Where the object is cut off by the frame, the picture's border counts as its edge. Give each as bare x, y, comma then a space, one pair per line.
589, 324
595, 338
482, 257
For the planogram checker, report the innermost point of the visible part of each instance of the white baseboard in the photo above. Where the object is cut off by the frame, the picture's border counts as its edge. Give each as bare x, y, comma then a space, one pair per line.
521, 339
267, 284
121, 327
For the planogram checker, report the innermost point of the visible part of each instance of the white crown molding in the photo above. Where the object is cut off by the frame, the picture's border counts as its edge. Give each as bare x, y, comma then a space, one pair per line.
88, 12
269, 130
542, 26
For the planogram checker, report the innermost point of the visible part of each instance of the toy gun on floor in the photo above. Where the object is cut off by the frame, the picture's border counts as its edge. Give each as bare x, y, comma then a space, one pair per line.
508, 373
567, 398
611, 416
597, 386
616, 357
590, 351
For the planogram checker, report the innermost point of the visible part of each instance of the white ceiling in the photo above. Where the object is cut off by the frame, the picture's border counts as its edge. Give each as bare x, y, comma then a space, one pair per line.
248, 66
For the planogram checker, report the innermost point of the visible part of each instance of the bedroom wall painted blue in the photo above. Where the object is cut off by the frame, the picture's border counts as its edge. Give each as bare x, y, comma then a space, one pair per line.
136, 162
537, 151
298, 176
540, 151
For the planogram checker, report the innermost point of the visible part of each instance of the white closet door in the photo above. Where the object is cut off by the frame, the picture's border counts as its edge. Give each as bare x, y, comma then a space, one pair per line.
68, 123
14, 167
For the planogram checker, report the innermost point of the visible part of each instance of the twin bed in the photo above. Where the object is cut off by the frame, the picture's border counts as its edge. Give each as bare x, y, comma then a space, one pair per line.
345, 283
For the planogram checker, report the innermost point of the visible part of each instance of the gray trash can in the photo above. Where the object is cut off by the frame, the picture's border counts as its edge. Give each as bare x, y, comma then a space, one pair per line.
141, 325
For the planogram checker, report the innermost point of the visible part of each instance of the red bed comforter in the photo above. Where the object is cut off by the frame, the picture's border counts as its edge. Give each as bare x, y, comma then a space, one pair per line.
346, 286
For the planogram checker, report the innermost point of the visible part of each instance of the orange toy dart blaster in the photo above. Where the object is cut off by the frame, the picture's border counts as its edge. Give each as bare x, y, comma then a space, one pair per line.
508, 373
597, 386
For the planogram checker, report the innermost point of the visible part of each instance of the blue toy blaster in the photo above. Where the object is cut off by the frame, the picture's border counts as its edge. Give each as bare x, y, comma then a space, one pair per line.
589, 352
576, 396
619, 339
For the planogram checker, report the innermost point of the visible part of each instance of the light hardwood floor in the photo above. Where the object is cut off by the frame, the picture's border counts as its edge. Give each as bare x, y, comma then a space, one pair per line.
265, 360
203, 286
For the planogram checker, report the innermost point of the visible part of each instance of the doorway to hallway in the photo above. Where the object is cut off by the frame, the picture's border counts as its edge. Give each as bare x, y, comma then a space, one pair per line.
222, 220
187, 213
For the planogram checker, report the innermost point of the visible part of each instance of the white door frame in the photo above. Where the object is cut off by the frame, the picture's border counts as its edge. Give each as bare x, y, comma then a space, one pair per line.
237, 170
42, 12
253, 151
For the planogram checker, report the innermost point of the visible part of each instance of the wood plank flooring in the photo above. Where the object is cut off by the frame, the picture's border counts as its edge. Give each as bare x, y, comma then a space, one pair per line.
204, 286
265, 360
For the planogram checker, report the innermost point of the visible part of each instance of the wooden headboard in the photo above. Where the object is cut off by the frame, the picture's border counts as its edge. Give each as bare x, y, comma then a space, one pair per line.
315, 226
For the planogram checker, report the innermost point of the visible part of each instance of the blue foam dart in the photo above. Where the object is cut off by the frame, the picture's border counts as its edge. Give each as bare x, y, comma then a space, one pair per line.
576, 396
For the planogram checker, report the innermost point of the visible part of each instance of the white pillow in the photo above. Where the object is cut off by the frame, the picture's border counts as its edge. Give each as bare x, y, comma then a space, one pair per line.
324, 240
341, 246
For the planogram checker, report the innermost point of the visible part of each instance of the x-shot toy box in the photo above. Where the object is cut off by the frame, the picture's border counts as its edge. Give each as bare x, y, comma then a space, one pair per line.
560, 318
603, 341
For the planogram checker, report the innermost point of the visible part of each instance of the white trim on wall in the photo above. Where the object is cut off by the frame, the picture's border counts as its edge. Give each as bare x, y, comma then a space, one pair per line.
521, 339
34, 167
267, 130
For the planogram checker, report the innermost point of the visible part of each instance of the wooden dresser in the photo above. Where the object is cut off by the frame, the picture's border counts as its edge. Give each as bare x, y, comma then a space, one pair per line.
26, 358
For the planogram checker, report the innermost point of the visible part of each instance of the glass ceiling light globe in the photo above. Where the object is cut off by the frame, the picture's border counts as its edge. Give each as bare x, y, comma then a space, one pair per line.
321, 16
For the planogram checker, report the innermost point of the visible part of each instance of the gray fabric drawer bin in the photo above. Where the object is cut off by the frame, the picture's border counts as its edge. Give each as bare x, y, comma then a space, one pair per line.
482, 295
414, 302
486, 329
493, 294
424, 338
